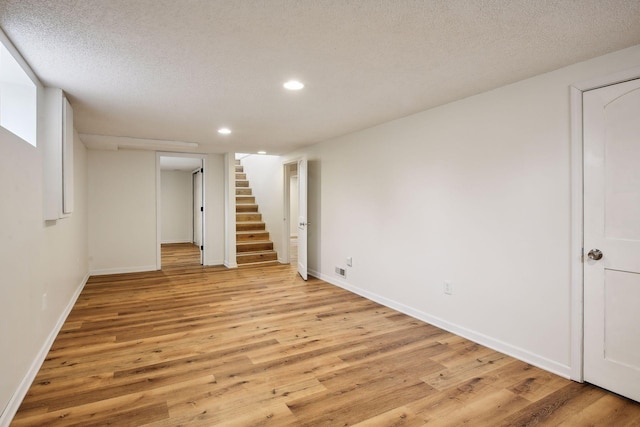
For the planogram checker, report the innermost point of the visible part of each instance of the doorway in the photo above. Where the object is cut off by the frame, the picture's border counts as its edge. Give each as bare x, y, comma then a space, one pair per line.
180, 195
293, 213
295, 230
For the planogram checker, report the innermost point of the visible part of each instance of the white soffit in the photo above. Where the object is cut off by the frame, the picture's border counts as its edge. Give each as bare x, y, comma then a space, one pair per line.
176, 70
174, 163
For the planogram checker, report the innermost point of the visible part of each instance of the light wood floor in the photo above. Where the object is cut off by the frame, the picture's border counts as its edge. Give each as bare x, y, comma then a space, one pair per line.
193, 345
178, 255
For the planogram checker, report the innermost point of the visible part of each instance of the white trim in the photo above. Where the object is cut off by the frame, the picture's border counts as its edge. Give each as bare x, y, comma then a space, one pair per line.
284, 255
169, 242
501, 346
138, 269
577, 212
598, 82
16, 399
577, 209
230, 210
158, 214
230, 264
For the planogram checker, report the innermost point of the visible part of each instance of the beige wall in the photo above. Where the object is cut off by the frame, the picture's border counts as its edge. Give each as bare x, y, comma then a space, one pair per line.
122, 211
43, 264
176, 206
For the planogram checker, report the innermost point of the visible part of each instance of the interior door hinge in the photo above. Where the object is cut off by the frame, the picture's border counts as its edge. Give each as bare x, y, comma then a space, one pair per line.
202, 248
201, 208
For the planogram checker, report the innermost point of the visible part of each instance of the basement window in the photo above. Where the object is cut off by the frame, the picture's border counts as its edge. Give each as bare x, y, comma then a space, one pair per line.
18, 98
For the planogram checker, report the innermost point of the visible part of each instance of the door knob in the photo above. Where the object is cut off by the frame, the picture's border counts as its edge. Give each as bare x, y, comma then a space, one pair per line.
595, 254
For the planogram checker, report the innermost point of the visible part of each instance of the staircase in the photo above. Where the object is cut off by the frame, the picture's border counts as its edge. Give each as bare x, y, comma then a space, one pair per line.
253, 246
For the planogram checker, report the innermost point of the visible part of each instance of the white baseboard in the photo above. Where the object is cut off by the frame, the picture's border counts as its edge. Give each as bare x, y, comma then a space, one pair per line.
140, 269
230, 264
14, 403
169, 242
487, 341
213, 263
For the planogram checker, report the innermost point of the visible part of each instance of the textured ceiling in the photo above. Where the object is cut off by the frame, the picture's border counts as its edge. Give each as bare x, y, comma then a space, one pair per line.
176, 70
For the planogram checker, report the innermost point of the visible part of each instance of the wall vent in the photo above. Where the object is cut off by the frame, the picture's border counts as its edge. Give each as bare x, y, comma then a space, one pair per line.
341, 272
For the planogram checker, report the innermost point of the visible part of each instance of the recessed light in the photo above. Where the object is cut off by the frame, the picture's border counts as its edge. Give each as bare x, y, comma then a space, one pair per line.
224, 131
293, 85
262, 152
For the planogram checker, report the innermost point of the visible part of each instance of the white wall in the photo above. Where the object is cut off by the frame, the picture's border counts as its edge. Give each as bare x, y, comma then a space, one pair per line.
214, 209
122, 210
476, 192
43, 264
176, 206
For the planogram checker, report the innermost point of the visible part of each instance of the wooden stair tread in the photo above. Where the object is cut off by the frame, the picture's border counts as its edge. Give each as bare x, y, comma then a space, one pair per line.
253, 246
258, 264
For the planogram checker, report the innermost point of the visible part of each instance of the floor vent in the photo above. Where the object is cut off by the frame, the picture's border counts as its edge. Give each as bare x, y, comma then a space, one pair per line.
341, 272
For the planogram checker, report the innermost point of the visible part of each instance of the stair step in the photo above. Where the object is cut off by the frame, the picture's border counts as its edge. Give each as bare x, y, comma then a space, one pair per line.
248, 216
252, 235
250, 226
253, 247
246, 207
252, 257
237, 162
258, 264
256, 246
242, 200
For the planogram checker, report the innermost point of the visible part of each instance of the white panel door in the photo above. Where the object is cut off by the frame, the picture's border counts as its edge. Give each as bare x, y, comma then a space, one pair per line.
198, 205
612, 238
303, 222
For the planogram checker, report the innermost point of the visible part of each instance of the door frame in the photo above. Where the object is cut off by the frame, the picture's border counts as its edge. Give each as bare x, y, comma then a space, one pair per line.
577, 212
194, 208
285, 257
202, 158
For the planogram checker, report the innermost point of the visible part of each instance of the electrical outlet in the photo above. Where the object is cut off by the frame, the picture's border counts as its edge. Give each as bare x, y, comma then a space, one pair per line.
448, 287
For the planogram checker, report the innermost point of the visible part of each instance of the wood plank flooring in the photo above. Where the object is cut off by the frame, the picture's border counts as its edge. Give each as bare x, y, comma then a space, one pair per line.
177, 255
201, 346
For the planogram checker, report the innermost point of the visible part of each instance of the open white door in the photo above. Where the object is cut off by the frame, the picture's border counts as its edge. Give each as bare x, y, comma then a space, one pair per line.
198, 211
612, 238
302, 218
